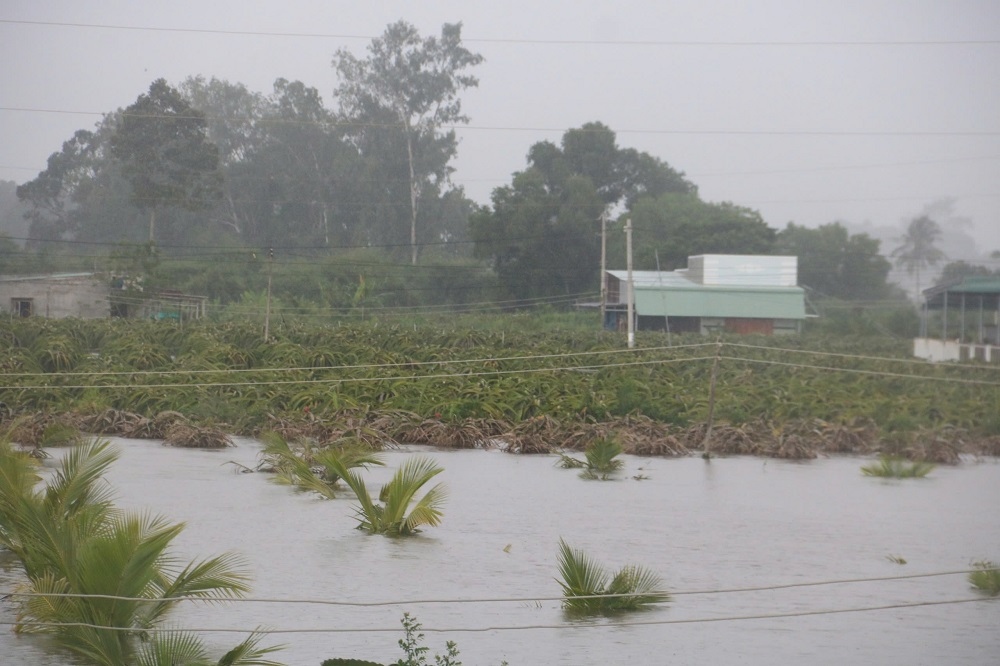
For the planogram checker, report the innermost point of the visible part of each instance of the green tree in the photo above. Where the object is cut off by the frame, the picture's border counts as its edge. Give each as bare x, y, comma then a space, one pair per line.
955, 271
414, 83
670, 228
167, 159
621, 176
918, 249
542, 241
836, 263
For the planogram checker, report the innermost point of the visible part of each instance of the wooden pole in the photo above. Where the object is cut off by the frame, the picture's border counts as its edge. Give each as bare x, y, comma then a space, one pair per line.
267, 306
706, 445
631, 285
604, 266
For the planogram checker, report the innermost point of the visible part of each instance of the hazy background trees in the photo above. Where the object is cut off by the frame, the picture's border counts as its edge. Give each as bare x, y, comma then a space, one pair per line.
351, 197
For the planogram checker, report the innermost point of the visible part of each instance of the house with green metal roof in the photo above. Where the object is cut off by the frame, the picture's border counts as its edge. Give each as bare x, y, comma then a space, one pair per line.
960, 321
715, 293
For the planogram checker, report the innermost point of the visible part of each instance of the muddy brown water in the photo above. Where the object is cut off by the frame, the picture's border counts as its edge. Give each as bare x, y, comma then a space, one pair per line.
730, 523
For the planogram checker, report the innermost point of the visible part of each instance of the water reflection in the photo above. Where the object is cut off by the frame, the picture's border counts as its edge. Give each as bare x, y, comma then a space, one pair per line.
725, 524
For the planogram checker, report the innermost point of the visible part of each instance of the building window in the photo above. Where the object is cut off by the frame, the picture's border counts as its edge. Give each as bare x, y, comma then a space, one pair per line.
22, 307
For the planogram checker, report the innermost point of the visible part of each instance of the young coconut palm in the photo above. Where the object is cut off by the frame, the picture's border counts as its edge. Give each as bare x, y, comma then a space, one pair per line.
71, 541
601, 460
589, 590
392, 514
295, 466
897, 468
986, 578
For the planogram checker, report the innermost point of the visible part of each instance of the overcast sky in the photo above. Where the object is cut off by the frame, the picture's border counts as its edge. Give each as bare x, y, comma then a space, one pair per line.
868, 112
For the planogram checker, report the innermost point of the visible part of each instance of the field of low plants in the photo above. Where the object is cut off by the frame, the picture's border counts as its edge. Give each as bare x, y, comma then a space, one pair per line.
520, 385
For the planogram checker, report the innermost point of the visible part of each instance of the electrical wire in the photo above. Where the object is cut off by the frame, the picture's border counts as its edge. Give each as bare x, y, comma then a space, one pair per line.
503, 40
490, 600
563, 626
370, 366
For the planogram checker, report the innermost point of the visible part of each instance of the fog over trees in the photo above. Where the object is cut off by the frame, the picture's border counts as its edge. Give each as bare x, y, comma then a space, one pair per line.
208, 164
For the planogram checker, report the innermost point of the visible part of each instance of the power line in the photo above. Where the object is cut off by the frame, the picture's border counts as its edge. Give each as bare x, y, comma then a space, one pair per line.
557, 42
540, 129
491, 600
570, 626
350, 380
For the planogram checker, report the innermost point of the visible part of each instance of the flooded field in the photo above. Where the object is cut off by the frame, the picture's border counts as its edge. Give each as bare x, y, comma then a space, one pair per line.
704, 527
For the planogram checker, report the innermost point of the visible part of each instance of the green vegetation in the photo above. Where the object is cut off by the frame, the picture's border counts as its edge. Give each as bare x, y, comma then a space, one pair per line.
412, 646
897, 468
296, 465
77, 552
530, 384
397, 511
589, 590
986, 578
601, 460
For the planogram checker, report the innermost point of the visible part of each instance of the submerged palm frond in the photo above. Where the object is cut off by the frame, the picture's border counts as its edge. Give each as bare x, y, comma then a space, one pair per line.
587, 589
897, 468
601, 460
986, 578
397, 511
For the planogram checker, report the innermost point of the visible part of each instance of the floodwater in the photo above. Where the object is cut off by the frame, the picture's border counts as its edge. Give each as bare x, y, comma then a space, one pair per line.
730, 523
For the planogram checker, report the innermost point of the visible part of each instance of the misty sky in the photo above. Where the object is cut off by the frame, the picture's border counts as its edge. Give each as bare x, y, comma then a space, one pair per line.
868, 112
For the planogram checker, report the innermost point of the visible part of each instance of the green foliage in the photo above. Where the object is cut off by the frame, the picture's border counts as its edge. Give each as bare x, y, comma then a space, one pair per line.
397, 511
164, 150
416, 653
590, 590
78, 552
897, 468
986, 578
400, 98
295, 465
601, 460
670, 228
834, 263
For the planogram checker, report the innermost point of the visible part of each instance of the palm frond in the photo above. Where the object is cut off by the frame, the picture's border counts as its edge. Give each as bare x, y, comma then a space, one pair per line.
248, 653
172, 648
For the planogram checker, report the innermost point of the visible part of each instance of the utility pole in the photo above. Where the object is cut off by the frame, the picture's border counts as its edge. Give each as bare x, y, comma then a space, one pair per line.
604, 265
631, 284
267, 306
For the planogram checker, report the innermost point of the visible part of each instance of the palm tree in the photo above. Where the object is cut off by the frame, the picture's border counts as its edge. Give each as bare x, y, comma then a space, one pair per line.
918, 250
295, 465
392, 514
601, 460
101, 578
589, 590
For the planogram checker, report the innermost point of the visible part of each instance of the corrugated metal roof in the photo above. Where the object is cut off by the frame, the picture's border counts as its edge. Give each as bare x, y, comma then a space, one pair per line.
662, 293
980, 286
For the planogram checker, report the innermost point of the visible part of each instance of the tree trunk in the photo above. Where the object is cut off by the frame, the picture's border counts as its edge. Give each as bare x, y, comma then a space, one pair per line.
152, 225
413, 197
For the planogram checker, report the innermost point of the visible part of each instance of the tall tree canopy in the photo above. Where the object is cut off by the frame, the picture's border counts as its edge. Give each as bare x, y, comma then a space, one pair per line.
918, 249
542, 233
541, 243
166, 157
836, 263
670, 228
411, 84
